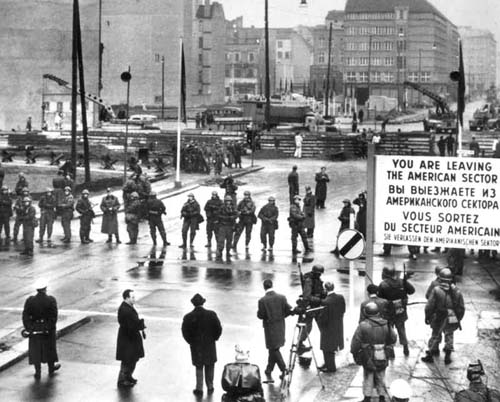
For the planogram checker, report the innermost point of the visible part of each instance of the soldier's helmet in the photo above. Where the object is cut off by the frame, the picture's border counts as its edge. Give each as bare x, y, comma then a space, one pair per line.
134, 195
215, 194
271, 198
67, 188
445, 275
25, 190
318, 269
151, 194
246, 193
371, 309
228, 198
49, 190
296, 197
26, 199
5, 188
400, 389
85, 192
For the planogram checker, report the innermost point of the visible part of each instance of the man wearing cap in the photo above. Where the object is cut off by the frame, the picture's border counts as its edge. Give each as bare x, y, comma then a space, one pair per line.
27, 217
110, 206
321, 187
478, 391
47, 205
39, 320
296, 223
369, 345
268, 215
21, 184
190, 212
18, 206
309, 209
5, 212
132, 214
211, 211
345, 219
230, 187
201, 328
273, 308
246, 220
129, 347
227, 220
372, 291
293, 183
66, 208
84, 208
156, 208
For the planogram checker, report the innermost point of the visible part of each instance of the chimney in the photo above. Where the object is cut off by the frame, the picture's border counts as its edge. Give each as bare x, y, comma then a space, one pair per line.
207, 8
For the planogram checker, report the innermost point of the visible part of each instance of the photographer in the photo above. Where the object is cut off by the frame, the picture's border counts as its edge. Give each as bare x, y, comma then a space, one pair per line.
312, 295
477, 391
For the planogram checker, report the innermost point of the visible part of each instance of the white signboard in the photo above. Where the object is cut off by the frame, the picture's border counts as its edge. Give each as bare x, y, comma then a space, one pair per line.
438, 201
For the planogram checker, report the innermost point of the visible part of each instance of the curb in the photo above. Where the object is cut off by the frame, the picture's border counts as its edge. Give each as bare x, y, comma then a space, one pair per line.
20, 350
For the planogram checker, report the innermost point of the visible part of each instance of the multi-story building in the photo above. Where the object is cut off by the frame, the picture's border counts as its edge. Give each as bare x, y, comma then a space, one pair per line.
321, 43
390, 41
479, 50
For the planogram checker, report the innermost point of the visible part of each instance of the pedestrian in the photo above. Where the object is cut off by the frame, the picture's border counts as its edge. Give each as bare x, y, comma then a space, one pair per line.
360, 223
246, 219
190, 212
47, 205
384, 124
2, 174
396, 290
443, 312
129, 346
442, 146
268, 215
27, 216
450, 145
361, 114
354, 124
132, 217
18, 206
201, 328
474, 146
370, 347
66, 208
238, 151
273, 308
331, 327
230, 187
321, 188
296, 223
5, 213
156, 208
110, 206
382, 304
309, 211
298, 145
85, 209
293, 183
28, 124
39, 320
345, 220
432, 143
211, 212
227, 221
313, 293
21, 184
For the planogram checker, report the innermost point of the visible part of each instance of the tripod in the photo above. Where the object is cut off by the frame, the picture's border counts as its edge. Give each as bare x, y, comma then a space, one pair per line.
300, 327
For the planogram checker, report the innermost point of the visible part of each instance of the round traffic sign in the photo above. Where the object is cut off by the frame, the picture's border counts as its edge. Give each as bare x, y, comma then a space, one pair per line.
350, 244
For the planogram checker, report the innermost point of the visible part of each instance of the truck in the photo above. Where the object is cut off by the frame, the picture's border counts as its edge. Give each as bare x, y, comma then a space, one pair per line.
280, 113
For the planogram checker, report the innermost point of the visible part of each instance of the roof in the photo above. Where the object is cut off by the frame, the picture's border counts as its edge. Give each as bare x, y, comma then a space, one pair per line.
372, 6
335, 15
200, 13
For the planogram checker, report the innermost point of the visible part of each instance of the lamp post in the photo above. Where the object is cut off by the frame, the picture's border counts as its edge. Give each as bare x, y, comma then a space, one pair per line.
327, 98
399, 63
162, 87
126, 77
369, 73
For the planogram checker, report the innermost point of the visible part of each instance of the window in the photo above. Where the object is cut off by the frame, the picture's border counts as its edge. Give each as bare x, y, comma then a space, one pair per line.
375, 76
237, 57
280, 55
350, 76
376, 61
363, 61
363, 76
200, 58
250, 73
389, 61
237, 73
287, 55
363, 46
426, 76
228, 56
157, 57
200, 42
251, 57
280, 44
228, 72
388, 76
413, 77
322, 42
158, 99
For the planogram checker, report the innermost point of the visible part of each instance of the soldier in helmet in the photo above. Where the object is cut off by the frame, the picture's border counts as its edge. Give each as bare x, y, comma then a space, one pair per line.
296, 222
27, 215
18, 206
212, 210
5, 212
246, 220
312, 295
369, 346
21, 184
443, 312
47, 205
84, 208
268, 214
396, 290
156, 208
190, 212
132, 214
227, 220
230, 187
66, 208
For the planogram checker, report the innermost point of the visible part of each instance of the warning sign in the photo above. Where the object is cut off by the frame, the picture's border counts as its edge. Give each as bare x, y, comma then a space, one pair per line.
438, 201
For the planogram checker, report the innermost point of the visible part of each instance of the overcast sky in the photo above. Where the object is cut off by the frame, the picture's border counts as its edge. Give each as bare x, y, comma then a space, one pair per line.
287, 13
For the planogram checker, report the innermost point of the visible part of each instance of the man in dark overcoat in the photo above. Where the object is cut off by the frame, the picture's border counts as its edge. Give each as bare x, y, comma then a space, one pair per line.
321, 187
190, 213
273, 308
110, 206
201, 329
309, 209
84, 208
212, 210
268, 214
293, 183
39, 320
129, 347
331, 326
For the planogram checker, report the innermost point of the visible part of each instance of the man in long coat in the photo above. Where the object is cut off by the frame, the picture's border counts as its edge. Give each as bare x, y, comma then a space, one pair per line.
331, 326
309, 211
39, 320
268, 214
129, 347
321, 187
273, 308
293, 183
66, 208
110, 206
201, 329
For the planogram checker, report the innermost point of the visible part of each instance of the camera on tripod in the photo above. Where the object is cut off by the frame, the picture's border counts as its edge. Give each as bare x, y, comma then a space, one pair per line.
475, 371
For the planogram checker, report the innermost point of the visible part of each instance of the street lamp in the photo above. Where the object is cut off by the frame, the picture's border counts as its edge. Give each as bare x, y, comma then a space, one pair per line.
162, 86
369, 73
399, 63
126, 77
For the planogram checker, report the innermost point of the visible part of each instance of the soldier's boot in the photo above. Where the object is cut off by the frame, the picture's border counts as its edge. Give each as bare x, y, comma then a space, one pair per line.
117, 238
381, 398
209, 241
294, 247
38, 371
447, 357
192, 235
110, 239
184, 240
406, 351
153, 237
428, 358
235, 241
264, 246
164, 239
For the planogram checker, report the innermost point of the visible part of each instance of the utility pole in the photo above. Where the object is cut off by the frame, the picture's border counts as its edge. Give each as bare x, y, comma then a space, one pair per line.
74, 83
369, 73
267, 110
99, 74
126, 77
162, 87
327, 98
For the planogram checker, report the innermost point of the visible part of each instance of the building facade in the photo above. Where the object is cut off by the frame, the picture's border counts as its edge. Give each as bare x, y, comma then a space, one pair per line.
480, 62
390, 41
